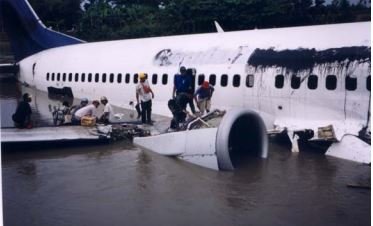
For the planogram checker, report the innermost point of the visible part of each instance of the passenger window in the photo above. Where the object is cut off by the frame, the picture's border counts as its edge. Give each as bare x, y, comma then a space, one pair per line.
83, 77
90, 77
52, 76
295, 82
249, 80
154, 79
58, 76
128, 78
119, 78
236, 80
312, 82
48, 76
368, 83
97, 77
135, 78
111, 78
64, 77
279, 81
70, 77
331, 82
103, 78
164, 79
201, 79
351, 83
76, 77
212, 79
224, 80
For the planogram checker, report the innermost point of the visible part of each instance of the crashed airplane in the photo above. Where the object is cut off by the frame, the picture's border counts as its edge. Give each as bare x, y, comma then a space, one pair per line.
311, 83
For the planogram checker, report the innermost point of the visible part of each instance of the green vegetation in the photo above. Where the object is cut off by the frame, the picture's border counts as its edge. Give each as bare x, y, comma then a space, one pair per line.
119, 19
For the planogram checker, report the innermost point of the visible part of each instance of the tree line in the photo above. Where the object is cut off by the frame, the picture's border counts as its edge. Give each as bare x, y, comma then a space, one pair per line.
95, 20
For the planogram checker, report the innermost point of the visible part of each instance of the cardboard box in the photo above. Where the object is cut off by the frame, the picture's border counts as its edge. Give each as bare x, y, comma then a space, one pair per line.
88, 121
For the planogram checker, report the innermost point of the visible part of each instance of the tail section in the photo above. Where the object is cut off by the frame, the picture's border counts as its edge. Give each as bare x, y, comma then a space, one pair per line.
27, 34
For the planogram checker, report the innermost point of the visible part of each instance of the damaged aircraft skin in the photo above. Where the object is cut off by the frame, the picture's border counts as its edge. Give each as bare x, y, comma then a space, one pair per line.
312, 82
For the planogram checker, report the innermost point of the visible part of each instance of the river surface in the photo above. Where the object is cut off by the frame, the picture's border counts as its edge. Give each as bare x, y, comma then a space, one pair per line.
119, 184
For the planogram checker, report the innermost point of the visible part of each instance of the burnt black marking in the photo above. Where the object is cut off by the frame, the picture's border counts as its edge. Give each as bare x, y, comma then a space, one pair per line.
305, 59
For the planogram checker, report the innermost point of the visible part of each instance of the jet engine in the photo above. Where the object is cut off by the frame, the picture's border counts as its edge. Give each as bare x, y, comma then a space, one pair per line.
224, 142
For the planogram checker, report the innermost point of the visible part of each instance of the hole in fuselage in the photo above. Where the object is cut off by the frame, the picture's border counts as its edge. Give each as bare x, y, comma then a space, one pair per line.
245, 141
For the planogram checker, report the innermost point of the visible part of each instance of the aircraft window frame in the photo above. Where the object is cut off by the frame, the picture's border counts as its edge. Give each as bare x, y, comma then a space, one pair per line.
212, 79
224, 80
89, 79
136, 78
127, 79
164, 79
64, 77
103, 79
111, 77
350, 83
47, 76
97, 77
331, 82
368, 84
53, 77
70, 77
58, 77
236, 81
201, 79
295, 81
250, 79
119, 78
312, 82
76, 77
279, 81
154, 78
82, 78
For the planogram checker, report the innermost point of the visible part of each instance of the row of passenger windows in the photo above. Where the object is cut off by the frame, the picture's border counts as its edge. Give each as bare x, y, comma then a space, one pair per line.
103, 78
312, 81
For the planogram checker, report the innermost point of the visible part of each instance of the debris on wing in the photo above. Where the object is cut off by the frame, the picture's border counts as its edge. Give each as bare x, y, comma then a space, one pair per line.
326, 133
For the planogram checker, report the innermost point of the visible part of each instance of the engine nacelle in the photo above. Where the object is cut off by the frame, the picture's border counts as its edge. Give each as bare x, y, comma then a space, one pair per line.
240, 135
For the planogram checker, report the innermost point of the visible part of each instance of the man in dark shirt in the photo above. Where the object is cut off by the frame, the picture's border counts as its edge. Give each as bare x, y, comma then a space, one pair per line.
183, 85
22, 116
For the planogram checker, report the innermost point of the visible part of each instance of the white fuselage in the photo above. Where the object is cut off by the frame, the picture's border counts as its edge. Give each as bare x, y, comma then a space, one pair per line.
216, 54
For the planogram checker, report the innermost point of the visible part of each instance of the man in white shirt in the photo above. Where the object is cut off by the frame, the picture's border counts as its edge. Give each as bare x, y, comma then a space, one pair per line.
145, 94
108, 110
89, 110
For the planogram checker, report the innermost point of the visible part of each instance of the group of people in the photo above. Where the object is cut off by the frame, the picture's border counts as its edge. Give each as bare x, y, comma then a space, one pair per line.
73, 115
182, 95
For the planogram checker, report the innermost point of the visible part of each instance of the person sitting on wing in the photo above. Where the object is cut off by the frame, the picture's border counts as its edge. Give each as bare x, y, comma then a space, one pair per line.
108, 111
74, 108
22, 116
89, 110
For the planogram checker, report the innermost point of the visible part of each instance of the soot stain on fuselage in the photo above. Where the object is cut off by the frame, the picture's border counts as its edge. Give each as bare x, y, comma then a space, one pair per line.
302, 59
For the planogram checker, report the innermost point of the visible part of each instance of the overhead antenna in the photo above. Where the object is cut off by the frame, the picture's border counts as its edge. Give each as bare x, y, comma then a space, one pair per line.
218, 27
